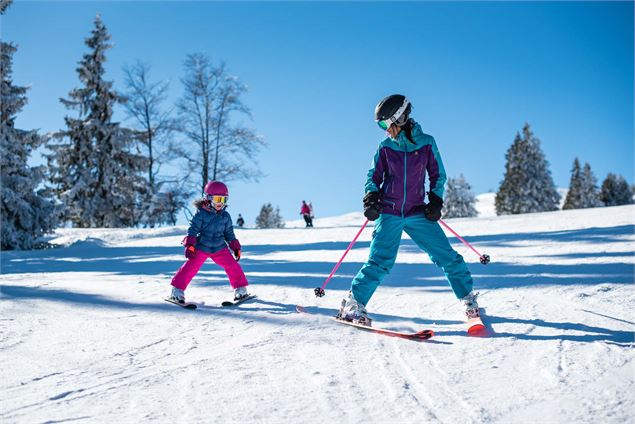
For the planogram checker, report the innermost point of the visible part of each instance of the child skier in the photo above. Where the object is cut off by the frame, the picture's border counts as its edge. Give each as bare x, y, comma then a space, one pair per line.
395, 198
210, 233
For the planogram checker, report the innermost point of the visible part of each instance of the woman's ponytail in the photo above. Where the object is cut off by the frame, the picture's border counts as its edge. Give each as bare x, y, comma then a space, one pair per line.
407, 128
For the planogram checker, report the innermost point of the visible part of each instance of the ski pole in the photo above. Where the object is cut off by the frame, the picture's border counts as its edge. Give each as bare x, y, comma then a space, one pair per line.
319, 291
483, 258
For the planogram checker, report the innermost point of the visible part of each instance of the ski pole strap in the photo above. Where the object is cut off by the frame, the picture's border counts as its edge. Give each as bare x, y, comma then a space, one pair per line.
350, 246
459, 237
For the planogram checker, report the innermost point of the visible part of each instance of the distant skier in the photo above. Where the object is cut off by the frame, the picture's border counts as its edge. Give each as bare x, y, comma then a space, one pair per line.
209, 235
240, 221
395, 198
305, 211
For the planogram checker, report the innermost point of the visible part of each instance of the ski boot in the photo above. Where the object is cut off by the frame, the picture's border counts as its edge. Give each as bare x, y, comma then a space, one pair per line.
353, 311
240, 293
471, 305
177, 295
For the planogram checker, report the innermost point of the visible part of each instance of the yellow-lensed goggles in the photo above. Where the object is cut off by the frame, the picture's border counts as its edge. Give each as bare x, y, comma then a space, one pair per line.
217, 199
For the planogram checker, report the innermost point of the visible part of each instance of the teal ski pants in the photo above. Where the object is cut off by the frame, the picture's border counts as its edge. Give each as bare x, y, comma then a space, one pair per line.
428, 235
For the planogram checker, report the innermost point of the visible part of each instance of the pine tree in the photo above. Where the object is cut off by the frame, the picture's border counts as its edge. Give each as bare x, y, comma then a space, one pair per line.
615, 191
28, 210
590, 194
269, 218
574, 195
583, 190
459, 200
163, 207
527, 185
96, 174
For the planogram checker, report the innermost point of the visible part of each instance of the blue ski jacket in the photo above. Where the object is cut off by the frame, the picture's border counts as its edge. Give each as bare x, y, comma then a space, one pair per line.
213, 230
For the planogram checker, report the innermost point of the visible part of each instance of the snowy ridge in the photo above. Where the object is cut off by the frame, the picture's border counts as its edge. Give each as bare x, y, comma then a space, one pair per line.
96, 342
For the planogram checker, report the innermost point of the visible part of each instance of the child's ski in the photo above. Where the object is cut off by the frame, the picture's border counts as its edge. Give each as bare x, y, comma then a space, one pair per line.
186, 305
420, 335
239, 301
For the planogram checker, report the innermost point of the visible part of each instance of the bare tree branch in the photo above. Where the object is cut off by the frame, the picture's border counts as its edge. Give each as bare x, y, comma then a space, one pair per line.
210, 100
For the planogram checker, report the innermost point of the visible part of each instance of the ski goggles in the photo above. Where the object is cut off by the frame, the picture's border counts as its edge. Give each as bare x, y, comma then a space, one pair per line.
398, 118
217, 199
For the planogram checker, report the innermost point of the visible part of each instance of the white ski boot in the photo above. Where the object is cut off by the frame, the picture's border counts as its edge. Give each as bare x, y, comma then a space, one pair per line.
177, 295
471, 305
353, 311
240, 293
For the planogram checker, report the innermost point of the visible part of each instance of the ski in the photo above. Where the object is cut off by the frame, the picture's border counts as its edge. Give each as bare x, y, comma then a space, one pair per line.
420, 335
238, 302
186, 305
475, 326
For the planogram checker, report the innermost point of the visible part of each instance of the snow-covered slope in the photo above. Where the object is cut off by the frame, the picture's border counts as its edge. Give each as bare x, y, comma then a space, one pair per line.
86, 337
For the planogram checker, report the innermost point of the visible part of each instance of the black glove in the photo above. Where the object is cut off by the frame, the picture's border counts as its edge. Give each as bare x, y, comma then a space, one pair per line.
432, 210
372, 205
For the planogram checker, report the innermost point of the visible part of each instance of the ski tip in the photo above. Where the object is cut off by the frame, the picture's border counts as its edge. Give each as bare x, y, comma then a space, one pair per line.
238, 302
190, 306
425, 334
476, 330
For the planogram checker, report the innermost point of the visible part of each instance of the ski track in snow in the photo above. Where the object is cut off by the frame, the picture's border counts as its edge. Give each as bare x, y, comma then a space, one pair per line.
86, 337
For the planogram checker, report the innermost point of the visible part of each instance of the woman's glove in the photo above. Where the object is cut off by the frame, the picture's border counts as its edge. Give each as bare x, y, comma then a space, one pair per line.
189, 242
372, 205
234, 245
432, 210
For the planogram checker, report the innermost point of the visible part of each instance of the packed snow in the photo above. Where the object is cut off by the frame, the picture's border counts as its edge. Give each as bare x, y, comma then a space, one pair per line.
85, 334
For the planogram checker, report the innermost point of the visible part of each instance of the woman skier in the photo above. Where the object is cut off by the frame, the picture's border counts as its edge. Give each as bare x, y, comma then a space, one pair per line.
395, 198
209, 234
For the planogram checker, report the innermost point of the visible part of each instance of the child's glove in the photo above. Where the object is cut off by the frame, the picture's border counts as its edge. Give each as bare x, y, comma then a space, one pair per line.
189, 242
234, 245
190, 252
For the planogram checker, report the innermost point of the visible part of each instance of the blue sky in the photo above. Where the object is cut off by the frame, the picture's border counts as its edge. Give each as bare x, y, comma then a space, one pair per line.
475, 72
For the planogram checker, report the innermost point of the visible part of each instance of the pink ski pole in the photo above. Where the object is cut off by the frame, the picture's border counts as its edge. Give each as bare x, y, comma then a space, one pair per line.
319, 291
483, 258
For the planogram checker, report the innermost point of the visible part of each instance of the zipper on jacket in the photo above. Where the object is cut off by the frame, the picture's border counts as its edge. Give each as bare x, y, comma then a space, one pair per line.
405, 175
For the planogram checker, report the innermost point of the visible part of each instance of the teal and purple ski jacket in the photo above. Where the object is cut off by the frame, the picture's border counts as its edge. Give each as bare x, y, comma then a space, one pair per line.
399, 172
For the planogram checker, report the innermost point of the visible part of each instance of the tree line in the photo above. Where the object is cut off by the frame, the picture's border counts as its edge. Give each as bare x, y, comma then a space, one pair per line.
102, 173
528, 187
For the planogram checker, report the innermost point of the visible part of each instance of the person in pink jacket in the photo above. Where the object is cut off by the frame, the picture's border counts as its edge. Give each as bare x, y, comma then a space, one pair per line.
305, 211
210, 235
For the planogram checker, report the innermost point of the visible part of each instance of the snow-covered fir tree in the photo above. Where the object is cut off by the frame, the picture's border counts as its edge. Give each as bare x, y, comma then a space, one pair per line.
574, 194
616, 191
590, 193
163, 207
527, 185
95, 172
4, 4
269, 217
28, 209
459, 200
583, 190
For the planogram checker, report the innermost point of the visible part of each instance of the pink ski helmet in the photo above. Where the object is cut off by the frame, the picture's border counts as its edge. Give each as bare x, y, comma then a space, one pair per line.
216, 188
216, 193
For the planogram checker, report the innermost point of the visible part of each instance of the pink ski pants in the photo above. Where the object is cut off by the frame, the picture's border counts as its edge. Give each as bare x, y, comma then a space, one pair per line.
223, 258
